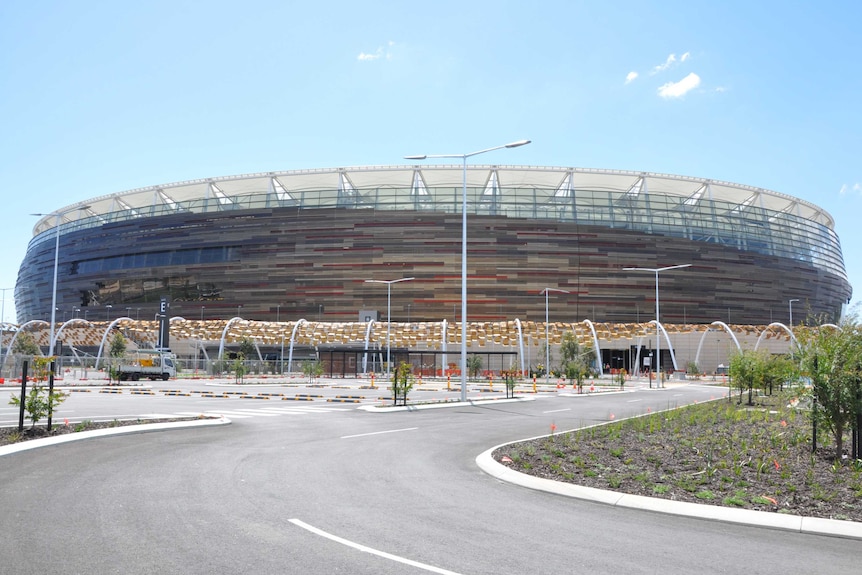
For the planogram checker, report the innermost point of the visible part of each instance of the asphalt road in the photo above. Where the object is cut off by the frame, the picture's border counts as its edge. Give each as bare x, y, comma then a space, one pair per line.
327, 488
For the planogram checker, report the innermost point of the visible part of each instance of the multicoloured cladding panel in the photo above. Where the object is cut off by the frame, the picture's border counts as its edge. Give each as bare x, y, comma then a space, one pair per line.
294, 262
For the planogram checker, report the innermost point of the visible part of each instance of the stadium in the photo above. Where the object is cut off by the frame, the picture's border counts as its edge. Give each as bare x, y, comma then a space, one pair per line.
302, 245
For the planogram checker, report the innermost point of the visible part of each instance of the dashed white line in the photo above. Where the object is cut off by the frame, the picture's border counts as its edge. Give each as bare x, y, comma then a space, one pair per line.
558, 410
379, 432
365, 549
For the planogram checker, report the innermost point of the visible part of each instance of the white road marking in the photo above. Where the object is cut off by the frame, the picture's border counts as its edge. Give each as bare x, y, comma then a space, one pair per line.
365, 549
227, 413
634, 400
558, 410
379, 432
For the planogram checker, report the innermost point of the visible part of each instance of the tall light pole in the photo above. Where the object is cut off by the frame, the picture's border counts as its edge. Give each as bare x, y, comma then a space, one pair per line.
57, 215
281, 355
791, 311
546, 291
388, 313
463, 158
656, 271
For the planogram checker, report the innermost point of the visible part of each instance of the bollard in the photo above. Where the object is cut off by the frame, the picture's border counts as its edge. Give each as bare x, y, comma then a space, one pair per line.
448, 382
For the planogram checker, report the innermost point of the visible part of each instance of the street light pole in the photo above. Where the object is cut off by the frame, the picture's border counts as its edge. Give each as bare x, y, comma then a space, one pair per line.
546, 291
281, 355
388, 314
791, 312
463, 158
57, 216
656, 271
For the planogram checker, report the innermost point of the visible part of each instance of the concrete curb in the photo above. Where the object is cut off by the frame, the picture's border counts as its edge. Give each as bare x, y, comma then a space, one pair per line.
798, 523
109, 431
441, 405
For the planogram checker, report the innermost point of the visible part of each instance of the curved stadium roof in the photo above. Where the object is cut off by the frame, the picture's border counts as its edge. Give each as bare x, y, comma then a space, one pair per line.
742, 217
413, 181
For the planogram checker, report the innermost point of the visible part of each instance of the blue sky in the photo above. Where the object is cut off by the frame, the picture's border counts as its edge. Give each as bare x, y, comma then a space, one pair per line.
99, 97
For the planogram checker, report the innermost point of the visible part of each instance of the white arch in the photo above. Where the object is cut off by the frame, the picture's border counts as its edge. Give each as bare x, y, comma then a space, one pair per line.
298, 323
14, 337
596, 344
105, 337
520, 344
71, 321
62, 327
367, 339
445, 357
224, 334
775, 324
726, 328
669, 345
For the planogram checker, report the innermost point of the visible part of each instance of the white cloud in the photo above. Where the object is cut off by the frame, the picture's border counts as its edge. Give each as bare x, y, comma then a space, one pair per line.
667, 64
381, 52
855, 188
681, 88
670, 62
631, 77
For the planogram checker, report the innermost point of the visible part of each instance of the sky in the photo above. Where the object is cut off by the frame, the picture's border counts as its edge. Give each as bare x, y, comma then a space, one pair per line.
99, 97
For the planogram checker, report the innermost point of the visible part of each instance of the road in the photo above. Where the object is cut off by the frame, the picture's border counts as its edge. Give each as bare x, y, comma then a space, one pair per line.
324, 487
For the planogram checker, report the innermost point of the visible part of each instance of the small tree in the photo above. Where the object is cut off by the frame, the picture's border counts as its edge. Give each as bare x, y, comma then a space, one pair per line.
312, 369
832, 359
116, 350
692, 370
621, 378
26, 345
239, 368
402, 382
474, 365
39, 403
575, 360
779, 370
746, 371
511, 377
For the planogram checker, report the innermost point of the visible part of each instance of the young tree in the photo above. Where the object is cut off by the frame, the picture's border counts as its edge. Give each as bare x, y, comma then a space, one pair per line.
25, 345
312, 369
239, 368
474, 365
39, 402
779, 370
575, 360
247, 347
116, 350
402, 382
746, 372
832, 359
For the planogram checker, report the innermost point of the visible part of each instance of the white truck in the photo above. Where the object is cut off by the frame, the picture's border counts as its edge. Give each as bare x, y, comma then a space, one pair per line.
152, 364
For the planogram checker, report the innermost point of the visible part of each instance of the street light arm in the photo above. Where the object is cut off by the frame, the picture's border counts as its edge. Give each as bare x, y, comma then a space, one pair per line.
656, 270
470, 154
463, 158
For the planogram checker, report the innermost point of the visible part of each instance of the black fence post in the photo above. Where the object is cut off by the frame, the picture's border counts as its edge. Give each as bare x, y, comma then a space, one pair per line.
814, 425
51, 395
23, 397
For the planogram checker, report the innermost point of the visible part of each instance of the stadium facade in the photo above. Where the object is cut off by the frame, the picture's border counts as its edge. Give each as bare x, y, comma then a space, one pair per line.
301, 244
